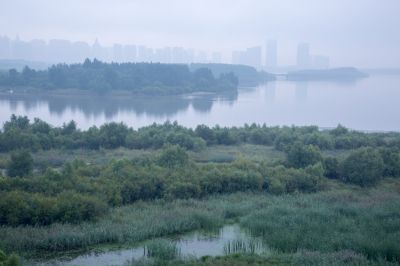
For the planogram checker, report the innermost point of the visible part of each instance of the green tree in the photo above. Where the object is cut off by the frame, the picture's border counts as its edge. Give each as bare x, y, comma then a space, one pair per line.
363, 167
113, 135
339, 130
173, 156
21, 164
300, 156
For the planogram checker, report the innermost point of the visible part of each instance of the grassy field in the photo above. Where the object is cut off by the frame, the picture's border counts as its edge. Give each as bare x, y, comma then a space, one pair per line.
217, 153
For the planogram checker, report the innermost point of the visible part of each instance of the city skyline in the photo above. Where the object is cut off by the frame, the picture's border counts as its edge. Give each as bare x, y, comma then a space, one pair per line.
339, 29
66, 51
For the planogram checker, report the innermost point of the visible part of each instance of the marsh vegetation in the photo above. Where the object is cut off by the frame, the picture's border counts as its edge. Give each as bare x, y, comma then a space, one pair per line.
300, 193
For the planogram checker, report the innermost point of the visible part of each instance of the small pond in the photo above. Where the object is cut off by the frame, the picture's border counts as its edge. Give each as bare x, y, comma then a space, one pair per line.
228, 239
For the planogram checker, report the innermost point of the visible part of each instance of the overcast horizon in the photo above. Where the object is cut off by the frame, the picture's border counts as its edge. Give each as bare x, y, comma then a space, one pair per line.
360, 33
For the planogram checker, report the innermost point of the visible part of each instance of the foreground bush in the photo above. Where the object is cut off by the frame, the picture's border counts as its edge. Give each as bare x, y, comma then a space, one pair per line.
11, 260
22, 208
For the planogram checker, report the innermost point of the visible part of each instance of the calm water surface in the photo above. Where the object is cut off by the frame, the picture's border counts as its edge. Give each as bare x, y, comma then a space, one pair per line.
195, 244
368, 104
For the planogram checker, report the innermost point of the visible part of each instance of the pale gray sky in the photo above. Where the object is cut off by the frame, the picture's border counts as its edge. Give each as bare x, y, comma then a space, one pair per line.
363, 33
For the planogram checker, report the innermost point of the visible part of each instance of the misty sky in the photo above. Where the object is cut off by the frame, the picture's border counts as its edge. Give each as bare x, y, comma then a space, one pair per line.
363, 33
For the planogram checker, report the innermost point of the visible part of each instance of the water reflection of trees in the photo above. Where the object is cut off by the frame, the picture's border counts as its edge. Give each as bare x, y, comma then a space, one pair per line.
97, 105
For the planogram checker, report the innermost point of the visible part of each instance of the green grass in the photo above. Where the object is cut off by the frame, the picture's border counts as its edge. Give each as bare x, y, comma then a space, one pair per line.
222, 153
364, 221
301, 258
58, 157
162, 249
252, 246
339, 154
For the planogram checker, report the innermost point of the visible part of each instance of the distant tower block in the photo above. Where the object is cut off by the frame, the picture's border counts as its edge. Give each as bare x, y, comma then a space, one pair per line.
252, 57
271, 57
303, 55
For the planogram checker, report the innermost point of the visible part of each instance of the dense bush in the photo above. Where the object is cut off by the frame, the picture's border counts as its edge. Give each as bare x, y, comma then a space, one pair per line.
79, 192
391, 159
173, 156
288, 180
363, 167
300, 156
18, 207
21, 164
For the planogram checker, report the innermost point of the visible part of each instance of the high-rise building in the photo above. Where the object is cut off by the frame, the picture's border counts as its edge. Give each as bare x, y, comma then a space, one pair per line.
21, 49
59, 51
252, 57
81, 51
216, 57
271, 54
99, 52
163, 55
236, 57
118, 53
201, 57
142, 53
190, 55
150, 54
303, 55
178, 55
130, 53
5, 47
39, 50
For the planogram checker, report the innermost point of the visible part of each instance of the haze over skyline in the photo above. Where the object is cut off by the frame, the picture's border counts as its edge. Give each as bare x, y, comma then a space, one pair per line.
362, 33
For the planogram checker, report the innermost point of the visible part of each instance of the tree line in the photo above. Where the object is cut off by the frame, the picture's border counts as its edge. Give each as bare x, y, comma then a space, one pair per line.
20, 133
146, 78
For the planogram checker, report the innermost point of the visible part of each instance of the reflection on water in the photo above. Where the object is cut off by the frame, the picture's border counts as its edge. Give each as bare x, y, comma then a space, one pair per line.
95, 105
368, 104
228, 239
301, 90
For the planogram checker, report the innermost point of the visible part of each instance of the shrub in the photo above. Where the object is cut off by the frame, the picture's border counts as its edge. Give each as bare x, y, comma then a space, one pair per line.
300, 156
172, 156
391, 159
288, 180
363, 167
21, 164
37, 209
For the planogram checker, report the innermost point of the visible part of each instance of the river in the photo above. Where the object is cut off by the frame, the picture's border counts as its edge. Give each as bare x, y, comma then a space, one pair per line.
367, 104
